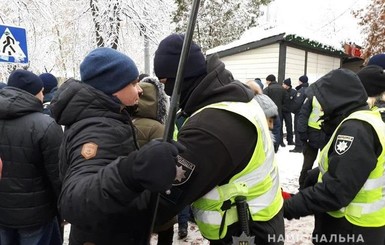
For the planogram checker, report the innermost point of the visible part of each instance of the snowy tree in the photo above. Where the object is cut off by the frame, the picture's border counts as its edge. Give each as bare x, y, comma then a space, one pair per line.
219, 21
60, 33
372, 19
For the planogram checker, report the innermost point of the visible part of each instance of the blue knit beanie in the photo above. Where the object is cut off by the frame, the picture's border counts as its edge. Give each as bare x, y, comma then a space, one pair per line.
167, 57
378, 59
49, 82
108, 70
25, 80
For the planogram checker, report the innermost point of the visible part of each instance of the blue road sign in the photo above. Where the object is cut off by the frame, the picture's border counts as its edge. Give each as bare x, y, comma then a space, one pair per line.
13, 44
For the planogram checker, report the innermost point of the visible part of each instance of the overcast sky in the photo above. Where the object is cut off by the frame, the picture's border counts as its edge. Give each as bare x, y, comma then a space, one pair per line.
325, 19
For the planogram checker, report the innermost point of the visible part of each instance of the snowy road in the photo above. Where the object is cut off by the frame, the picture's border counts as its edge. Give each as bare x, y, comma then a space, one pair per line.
298, 232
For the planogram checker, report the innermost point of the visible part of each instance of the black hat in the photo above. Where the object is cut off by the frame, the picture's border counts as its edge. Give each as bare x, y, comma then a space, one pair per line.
167, 57
373, 79
287, 82
270, 78
49, 82
303, 79
26, 81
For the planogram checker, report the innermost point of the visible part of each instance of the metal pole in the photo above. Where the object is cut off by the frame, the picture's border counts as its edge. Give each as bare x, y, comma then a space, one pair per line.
146, 55
174, 104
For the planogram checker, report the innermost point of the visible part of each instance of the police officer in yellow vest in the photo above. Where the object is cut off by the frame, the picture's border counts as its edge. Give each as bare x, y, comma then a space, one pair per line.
229, 150
311, 135
349, 199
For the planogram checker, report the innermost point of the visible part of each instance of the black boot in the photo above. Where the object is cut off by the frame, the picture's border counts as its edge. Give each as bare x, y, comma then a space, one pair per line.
182, 232
296, 149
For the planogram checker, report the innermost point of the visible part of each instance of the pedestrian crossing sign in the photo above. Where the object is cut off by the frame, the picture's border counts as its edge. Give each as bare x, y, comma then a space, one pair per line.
13, 44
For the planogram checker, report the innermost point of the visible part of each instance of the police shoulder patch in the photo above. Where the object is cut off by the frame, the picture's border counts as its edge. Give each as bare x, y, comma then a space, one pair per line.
184, 170
343, 143
89, 150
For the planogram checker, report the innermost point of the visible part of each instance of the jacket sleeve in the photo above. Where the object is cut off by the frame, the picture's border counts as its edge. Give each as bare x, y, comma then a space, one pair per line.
303, 115
50, 145
92, 187
346, 174
213, 150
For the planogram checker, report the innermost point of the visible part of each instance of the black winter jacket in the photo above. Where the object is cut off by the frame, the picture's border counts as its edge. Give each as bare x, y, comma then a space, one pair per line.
277, 94
29, 146
348, 171
219, 143
300, 97
94, 199
287, 104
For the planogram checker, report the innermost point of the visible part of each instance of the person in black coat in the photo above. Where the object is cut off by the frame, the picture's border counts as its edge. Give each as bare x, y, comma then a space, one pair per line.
50, 86
297, 103
311, 135
344, 199
29, 178
277, 94
286, 112
107, 181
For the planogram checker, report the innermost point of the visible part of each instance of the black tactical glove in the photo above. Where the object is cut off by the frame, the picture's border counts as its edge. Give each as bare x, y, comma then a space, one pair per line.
153, 168
311, 178
286, 211
303, 136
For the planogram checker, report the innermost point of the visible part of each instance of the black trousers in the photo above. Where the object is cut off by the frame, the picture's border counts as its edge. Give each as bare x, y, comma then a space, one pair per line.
330, 230
265, 232
287, 118
309, 156
297, 140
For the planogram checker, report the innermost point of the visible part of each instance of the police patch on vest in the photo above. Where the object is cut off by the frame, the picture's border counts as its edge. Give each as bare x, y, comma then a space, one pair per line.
184, 170
89, 150
343, 143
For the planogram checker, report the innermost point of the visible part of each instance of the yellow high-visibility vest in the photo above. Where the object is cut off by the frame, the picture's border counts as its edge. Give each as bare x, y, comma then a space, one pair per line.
258, 181
315, 115
368, 207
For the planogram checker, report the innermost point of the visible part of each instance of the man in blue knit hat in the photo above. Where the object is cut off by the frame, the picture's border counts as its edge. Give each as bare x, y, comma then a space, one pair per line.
107, 181
229, 152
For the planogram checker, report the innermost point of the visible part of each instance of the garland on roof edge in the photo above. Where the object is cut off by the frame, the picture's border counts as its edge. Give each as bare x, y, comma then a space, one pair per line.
311, 43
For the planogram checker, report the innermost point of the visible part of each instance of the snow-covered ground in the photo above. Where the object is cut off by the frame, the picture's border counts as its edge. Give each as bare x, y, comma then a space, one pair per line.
298, 232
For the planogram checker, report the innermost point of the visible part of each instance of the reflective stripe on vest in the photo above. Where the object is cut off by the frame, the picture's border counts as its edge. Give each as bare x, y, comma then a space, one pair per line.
258, 181
314, 118
367, 209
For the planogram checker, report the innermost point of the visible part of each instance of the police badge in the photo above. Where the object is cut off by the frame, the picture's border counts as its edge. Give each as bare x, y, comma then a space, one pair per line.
243, 240
184, 169
343, 143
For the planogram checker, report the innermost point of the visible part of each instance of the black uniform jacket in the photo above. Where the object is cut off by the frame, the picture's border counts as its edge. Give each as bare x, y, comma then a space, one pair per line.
348, 171
29, 146
219, 143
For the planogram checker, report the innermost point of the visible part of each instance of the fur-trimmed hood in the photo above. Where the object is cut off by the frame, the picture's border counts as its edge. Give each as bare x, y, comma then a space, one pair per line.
154, 102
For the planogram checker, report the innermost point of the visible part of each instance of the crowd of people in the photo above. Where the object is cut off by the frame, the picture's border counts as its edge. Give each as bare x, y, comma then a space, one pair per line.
91, 152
